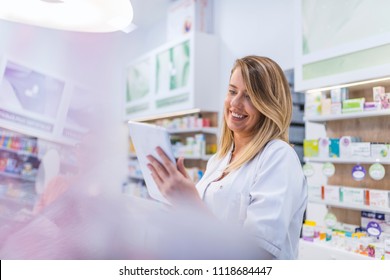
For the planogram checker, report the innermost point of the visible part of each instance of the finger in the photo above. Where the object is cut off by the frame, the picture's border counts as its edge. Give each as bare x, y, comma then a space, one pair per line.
181, 167
169, 165
158, 167
157, 179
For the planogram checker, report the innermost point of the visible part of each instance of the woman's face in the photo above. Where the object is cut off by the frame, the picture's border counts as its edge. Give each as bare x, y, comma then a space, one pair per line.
240, 114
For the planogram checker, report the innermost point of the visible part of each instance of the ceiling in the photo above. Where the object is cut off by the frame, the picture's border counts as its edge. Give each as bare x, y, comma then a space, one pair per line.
148, 12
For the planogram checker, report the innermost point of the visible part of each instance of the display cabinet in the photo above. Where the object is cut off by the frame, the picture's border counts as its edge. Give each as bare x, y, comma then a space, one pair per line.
351, 178
179, 75
42, 105
28, 168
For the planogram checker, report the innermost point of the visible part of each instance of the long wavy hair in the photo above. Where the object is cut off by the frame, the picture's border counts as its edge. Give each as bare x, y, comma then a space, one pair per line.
269, 93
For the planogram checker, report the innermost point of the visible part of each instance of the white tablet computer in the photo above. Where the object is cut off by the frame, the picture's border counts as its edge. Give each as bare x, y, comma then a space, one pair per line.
146, 138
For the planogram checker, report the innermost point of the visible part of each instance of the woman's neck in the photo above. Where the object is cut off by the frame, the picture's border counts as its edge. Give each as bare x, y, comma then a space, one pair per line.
239, 143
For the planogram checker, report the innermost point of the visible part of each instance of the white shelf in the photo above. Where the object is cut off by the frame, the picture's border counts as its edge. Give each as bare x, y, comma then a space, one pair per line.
16, 176
136, 177
349, 205
353, 160
322, 251
366, 114
19, 152
204, 157
209, 130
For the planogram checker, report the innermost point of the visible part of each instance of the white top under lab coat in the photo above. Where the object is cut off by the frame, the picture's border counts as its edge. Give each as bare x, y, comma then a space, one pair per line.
267, 195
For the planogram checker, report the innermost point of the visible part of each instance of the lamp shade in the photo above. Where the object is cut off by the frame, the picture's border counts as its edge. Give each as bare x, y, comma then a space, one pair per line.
72, 15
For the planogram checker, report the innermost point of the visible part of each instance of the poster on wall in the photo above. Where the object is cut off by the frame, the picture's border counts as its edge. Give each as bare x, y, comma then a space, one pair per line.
28, 98
138, 81
173, 69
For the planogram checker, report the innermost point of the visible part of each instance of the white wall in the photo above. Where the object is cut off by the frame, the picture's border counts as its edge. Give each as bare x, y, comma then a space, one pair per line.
259, 27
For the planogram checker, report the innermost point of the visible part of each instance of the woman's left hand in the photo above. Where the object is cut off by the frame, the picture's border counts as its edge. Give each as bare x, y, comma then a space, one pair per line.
173, 180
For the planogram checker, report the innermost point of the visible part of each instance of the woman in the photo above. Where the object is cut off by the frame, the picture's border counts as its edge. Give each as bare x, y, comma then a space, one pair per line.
255, 179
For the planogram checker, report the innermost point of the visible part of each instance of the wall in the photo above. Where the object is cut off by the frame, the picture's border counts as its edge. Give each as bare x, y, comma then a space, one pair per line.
258, 27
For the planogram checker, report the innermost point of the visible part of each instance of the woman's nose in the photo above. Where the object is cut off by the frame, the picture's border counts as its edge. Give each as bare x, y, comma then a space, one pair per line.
236, 100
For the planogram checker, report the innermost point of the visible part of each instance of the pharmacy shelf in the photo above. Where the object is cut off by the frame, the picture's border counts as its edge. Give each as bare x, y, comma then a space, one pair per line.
367, 114
349, 205
19, 152
208, 130
322, 251
17, 176
17, 200
203, 157
136, 177
352, 160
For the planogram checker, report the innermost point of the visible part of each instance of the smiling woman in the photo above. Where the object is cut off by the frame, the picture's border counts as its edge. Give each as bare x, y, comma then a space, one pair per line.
255, 179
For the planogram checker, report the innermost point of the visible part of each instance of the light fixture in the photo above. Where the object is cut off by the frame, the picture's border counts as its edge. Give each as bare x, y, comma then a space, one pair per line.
72, 15
349, 85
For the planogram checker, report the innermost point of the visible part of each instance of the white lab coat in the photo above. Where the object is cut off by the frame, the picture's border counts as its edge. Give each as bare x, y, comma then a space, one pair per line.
267, 195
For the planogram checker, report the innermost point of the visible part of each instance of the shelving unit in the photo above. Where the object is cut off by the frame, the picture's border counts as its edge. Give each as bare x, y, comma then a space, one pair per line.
348, 160
321, 251
370, 126
19, 162
297, 125
347, 116
349, 205
182, 126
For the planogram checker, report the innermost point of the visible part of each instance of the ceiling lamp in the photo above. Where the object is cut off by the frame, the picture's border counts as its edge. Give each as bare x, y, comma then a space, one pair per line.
72, 15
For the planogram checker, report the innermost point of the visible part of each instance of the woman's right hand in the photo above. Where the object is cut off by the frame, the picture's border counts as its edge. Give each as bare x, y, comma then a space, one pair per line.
173, 180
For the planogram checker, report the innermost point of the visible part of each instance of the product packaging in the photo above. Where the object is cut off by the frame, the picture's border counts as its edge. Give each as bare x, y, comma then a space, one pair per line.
353, 196
353, 105
379, 198
310, 147
345, 145
331, 193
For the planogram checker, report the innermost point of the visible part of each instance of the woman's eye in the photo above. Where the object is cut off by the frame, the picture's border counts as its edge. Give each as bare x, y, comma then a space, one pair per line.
232, 92
247, 96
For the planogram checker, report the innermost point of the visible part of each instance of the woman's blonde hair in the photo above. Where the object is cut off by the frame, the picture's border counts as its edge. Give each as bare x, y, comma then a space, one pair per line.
270, 94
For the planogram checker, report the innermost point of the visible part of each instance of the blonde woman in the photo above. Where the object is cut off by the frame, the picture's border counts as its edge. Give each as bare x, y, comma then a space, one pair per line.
255, 179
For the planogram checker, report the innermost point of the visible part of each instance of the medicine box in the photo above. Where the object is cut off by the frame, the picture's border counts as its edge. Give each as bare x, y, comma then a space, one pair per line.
350, 195
314, 192
326, 106
335, 108
353, 105
323, 147
380, 151
313, 103
360, 149
330, 193
379, 198
383, 219
335, 95
345, 145
334, 147
310, 147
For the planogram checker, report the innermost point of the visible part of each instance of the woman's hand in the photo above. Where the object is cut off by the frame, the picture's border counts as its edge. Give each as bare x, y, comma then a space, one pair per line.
173, 180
